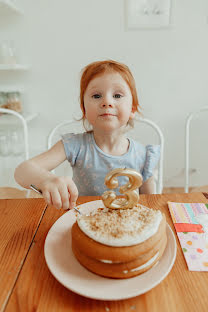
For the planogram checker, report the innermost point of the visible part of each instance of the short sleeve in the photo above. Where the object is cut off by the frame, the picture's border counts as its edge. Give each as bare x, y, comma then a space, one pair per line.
152, 158
72, 143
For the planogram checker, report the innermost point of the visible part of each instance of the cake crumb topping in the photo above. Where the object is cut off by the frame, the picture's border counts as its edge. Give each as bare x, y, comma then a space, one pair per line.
118, 223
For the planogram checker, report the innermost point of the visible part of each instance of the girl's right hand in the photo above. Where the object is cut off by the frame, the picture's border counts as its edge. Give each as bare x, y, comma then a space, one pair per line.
60, 192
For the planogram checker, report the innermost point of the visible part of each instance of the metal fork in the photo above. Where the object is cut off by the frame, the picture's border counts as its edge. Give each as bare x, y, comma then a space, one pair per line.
34, 188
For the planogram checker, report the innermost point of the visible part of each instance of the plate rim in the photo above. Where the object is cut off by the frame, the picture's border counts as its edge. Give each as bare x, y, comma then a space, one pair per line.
103, 297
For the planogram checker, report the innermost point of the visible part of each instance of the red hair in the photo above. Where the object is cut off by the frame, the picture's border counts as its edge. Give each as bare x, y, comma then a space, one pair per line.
97, 68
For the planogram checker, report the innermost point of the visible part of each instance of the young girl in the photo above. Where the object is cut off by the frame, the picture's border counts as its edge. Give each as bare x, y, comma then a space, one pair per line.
108, 101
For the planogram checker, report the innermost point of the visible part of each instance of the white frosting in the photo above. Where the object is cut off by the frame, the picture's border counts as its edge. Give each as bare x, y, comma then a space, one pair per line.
143, 265
125, 227
106, 261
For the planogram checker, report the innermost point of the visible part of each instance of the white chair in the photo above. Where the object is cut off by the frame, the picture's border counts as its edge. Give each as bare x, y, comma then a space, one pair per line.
65, 126
135, 134
75, 127
11, 192
187, 147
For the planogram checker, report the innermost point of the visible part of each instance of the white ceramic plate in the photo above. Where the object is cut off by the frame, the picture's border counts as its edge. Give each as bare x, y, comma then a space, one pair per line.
67, 270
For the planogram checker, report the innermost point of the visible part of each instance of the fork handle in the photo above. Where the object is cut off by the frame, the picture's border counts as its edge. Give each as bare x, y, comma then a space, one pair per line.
34, 188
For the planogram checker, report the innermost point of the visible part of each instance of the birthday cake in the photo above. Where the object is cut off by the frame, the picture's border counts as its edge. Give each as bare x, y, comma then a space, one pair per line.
119, 243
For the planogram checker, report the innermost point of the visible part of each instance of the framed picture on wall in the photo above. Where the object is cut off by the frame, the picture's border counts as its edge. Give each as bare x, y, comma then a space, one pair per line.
147, 13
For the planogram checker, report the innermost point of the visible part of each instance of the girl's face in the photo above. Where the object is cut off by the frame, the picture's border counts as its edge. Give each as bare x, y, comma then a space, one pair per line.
108, 102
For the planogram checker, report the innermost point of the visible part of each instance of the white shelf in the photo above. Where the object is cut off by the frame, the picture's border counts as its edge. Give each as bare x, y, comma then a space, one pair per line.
7, 119
9, 5
31, 116
12, 89
13, 67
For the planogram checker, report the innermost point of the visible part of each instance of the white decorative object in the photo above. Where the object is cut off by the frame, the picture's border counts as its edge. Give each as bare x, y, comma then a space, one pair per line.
148, 13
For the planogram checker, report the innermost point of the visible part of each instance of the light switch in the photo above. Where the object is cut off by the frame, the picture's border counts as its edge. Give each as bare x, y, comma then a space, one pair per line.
148, 13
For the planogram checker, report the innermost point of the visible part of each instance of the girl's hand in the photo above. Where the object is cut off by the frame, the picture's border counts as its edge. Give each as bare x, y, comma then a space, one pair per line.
60, 192
148, 187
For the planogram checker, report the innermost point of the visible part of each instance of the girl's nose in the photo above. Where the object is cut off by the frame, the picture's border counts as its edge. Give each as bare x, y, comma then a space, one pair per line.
107, 103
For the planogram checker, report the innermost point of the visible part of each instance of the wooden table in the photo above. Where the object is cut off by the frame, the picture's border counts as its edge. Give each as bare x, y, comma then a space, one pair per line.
27, 285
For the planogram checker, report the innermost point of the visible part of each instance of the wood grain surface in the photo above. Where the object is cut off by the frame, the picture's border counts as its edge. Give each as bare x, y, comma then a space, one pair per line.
19, 222
37, 290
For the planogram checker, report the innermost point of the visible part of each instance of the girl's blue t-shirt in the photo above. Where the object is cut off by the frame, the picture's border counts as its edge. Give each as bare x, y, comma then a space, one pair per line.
90, 164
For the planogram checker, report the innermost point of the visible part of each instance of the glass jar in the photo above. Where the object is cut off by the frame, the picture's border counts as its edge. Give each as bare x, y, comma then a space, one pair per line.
3, 98
14, 102
4, 144
16, 142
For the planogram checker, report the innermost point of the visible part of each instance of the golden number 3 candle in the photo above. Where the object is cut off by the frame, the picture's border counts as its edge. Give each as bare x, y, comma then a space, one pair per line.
110, 199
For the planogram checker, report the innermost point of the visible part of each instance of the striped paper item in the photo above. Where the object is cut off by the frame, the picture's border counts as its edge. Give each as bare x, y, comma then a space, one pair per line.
191, 225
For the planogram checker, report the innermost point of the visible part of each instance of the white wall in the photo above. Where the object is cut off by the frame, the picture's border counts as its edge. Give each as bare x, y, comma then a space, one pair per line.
58, 38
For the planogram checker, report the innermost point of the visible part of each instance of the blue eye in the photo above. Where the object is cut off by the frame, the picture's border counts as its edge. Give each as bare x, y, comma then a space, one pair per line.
96, 96
117, 96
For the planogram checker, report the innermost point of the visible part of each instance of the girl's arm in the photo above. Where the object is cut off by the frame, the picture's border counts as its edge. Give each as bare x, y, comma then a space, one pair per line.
60, 192
148, 187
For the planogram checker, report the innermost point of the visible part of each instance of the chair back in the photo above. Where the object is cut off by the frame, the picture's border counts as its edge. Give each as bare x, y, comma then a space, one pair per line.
153, 134
10, 192
77, 127
67, 126
189, 118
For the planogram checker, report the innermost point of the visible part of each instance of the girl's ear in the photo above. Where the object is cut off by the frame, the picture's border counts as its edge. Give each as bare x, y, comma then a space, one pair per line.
132, 115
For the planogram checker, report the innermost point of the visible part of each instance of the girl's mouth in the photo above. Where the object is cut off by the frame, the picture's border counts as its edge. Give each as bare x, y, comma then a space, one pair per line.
107, 115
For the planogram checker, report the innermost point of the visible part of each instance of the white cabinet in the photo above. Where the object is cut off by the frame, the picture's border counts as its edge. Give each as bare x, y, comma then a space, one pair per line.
9, 62
11, 135
12, 146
